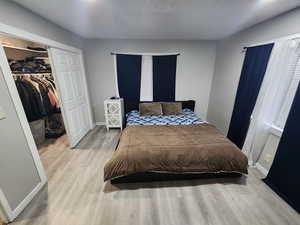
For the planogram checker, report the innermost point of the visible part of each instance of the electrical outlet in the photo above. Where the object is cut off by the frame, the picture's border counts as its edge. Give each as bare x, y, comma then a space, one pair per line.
2, 113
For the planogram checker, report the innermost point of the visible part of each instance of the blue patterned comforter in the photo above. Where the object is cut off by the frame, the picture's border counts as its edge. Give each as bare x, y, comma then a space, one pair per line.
187, 118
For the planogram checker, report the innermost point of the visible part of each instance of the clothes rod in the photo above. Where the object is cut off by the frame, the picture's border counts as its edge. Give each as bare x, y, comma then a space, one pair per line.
151, 54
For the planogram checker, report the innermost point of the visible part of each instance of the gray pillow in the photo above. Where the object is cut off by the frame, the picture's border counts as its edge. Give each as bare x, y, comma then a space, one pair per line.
150, 109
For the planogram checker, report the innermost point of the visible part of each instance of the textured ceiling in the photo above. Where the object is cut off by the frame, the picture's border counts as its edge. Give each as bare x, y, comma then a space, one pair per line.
158, 19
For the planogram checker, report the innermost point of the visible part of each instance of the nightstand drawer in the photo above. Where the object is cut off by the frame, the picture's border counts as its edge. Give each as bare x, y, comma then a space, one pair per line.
113, 120
113, 108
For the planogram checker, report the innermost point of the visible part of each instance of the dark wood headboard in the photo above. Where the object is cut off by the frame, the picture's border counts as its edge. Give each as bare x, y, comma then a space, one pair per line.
134, 105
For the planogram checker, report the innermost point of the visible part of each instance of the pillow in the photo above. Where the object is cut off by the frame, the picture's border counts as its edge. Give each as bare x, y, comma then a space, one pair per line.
150, 109
172, 108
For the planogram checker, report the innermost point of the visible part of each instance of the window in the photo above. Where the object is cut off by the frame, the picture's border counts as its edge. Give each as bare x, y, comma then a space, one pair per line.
289, 97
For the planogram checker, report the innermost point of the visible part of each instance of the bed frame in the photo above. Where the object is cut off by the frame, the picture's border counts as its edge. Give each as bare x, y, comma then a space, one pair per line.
152, 176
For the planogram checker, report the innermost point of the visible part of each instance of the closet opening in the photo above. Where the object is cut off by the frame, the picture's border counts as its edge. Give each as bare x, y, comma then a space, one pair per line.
33, 76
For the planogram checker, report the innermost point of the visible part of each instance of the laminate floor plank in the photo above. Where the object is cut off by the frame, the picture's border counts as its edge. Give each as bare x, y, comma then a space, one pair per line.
76, 194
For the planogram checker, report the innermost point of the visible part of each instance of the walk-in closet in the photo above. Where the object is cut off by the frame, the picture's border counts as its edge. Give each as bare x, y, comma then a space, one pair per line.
44, 109
33, 76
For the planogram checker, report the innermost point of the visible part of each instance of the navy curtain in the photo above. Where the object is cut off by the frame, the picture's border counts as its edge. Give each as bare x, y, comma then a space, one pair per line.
164, 77
252, 75
129, 76
284, 175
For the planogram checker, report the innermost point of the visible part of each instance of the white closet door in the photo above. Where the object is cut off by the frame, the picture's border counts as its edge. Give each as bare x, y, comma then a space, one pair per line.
69, 74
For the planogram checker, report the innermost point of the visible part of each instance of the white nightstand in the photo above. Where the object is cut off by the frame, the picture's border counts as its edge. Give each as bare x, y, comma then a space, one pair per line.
114, 113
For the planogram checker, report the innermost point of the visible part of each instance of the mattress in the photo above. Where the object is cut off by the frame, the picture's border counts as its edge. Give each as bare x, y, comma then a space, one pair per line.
187, 118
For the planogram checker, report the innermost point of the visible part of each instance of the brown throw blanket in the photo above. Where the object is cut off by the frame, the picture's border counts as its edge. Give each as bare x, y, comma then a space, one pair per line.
174, 149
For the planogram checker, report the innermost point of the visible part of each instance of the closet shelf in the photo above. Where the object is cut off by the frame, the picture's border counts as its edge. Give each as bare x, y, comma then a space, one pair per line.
24, 49
20, 73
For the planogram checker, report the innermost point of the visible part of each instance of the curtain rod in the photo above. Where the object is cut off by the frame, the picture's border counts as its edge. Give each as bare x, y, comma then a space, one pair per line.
291, 37
244, 49
151, 54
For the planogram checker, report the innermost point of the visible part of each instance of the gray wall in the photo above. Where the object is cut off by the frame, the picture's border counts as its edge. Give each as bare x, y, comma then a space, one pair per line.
195, 67
14, 15
229, 63
18, 174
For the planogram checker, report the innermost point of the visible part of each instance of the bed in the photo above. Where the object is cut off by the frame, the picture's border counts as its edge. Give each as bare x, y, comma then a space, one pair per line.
155, 148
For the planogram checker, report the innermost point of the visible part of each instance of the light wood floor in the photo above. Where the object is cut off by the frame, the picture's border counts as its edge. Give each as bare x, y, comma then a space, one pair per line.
76, 194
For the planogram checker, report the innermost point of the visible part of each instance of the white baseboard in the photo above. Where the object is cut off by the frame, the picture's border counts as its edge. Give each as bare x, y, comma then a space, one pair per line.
263, 170
27, 200
100, 123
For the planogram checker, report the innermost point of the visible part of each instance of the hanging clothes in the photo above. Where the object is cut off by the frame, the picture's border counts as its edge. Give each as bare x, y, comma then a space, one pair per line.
40, 101
30, 97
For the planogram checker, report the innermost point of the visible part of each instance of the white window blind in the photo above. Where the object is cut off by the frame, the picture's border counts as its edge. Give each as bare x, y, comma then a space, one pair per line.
289, 97
146, 93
